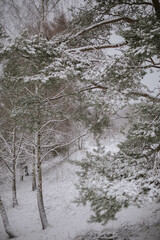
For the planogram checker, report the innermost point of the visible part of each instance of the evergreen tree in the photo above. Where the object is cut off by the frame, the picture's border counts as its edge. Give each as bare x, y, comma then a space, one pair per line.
142, 140
137, 26
110, 182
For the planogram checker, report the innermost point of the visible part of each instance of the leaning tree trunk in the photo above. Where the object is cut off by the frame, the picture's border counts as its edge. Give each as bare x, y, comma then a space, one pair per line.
14, 191
34, 185
5, 220
41, 208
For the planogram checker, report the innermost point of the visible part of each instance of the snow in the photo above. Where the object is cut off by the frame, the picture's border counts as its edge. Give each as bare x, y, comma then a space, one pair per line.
66, 218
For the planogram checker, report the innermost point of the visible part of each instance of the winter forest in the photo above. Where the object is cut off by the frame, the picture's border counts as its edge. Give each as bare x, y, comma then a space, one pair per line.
80, 119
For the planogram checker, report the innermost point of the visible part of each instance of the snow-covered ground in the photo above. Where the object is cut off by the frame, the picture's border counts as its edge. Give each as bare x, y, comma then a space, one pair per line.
66, 218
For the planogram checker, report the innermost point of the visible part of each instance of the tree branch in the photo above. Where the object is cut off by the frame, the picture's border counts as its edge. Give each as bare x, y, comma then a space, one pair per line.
88, 88
6, 164
8, 149
51, 121
62, 145
126, 19
145, 95
97, 47
98, 86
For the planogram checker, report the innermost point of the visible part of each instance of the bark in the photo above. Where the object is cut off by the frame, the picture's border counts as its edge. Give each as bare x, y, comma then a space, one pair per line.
34, 185
40, 202
14, 191
5, 220
156, 4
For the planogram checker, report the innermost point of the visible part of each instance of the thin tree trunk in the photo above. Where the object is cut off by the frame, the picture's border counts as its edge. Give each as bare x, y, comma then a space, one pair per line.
40, 202
34, 185
21, 172
5, 220
42, 19
14, 191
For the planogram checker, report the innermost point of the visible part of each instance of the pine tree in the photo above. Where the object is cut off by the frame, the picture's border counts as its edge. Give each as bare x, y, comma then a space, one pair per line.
132, 174
142, 140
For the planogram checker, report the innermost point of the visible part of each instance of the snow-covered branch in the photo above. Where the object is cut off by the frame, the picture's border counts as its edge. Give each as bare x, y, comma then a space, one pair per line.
6, 164
61, 145
125, 19
97, 47
8, 149
52, 121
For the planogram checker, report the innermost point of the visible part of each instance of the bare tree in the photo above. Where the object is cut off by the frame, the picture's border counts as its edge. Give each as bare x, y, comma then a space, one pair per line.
9, 154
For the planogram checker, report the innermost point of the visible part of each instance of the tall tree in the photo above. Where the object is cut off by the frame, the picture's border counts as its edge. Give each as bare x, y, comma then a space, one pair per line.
110, 182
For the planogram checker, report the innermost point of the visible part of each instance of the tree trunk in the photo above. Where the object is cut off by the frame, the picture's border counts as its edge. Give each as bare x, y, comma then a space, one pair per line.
21, 172
40, 202
42, 19
34, 185
14, 192
5, 220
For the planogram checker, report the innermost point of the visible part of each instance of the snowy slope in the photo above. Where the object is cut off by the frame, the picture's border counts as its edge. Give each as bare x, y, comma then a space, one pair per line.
66, 219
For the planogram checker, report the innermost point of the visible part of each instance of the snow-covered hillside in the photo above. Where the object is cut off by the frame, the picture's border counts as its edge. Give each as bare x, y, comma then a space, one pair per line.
67, 220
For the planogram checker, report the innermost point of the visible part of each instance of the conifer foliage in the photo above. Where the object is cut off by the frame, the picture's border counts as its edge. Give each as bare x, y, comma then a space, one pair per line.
131, 176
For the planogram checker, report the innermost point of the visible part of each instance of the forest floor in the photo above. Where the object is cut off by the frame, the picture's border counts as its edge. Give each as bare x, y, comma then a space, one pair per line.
66, 219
